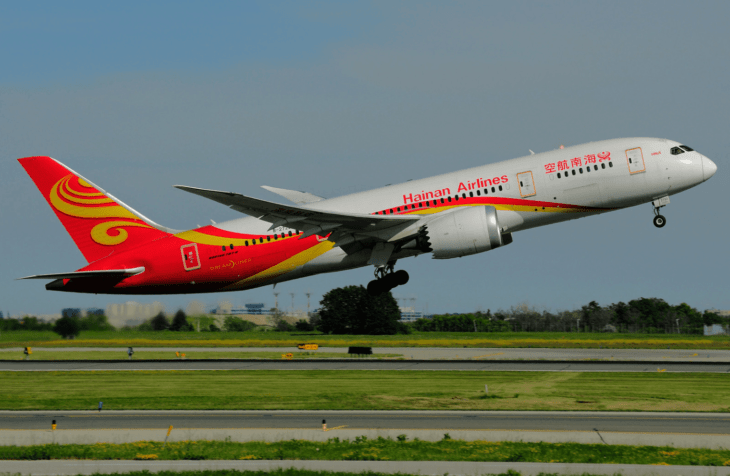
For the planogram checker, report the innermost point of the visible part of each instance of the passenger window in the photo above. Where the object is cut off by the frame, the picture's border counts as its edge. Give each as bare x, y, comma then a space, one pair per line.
610, 164
580, 170
261, 240
478, 193
442, 200
588, 169
595, 167
500, 188
290, 233
573, 171
486, 191
463, 195
231, 246
603, 166
246, 242
224, 248
449, 199
493, 190
558, 174
688, 149
268, 238
471, 194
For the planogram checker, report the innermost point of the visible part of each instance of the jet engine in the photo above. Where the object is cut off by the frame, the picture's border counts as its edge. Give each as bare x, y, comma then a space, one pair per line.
463, 232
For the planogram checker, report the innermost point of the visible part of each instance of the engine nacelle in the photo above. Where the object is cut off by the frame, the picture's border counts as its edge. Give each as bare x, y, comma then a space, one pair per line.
465, 232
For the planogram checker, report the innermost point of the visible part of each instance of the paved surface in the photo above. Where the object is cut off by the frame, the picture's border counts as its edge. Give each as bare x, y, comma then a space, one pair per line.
704, 430
437, 353
712, 423
365, 364
71, 467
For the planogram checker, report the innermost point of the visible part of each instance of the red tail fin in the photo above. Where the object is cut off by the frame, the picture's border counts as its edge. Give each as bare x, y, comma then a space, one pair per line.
97, 222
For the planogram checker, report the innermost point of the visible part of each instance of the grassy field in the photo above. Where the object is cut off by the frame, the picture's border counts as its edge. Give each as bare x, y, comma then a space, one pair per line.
124, 338
39, 354
364, 390
298, 472
380, 449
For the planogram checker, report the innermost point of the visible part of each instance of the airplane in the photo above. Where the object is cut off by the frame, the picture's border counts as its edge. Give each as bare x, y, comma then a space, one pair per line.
449, 216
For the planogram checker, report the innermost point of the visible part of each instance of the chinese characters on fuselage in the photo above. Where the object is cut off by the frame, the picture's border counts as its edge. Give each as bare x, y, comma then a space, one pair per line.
577, 162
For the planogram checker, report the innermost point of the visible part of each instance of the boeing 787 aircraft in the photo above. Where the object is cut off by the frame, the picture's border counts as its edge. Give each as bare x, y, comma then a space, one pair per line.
452, 215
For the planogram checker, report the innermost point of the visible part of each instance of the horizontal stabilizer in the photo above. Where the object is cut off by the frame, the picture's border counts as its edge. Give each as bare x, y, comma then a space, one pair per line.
103, 273
296, 197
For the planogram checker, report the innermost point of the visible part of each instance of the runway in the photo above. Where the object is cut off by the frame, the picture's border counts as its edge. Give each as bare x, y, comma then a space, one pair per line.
644, 422
366, 364
684, 430
435, 353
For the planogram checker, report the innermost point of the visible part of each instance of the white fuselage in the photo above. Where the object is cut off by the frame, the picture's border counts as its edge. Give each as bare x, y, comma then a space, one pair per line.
623, 173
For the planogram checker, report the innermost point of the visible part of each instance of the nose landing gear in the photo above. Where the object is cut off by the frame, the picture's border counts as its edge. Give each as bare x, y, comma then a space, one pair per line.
659, 220
386, 279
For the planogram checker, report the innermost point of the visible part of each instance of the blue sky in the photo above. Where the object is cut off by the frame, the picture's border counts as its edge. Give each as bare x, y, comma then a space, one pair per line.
334, 97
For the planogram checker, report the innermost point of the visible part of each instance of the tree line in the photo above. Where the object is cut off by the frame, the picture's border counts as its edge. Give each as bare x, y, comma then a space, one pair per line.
644, 315
351, 310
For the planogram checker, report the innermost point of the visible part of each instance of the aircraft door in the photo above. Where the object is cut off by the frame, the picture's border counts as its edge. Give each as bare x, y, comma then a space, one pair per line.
526, 183
635, 158
190, 257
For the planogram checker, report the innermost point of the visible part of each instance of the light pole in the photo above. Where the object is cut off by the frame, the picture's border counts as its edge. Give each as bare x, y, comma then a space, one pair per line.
308, 294
577, 325
678, 332
276, 301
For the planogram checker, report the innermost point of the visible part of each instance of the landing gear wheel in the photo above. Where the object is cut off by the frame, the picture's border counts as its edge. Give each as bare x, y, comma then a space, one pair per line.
375, 288
400, 277
386, 279
659, 221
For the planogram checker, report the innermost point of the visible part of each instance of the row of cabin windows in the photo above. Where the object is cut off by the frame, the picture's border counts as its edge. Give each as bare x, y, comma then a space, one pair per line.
268, 238
434, 203
588, 169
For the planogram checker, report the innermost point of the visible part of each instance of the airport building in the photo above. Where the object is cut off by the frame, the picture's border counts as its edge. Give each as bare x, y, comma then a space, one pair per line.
409, 314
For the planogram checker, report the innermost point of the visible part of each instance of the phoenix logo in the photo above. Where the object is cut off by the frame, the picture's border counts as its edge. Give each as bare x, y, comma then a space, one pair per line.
75, 197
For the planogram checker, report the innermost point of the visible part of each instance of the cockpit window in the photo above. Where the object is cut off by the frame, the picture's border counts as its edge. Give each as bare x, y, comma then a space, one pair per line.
676, 151
688, 149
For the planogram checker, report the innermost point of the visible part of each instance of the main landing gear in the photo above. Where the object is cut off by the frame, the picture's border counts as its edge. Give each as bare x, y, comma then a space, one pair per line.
659, 220
386, 279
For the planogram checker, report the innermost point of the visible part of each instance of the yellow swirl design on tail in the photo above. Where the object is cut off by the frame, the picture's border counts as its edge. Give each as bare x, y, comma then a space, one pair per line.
100, 233
86, 209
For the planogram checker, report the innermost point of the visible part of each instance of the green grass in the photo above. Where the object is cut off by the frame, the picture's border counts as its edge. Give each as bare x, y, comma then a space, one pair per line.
293, 472
380, 449
364, 390
259, 338
39, 354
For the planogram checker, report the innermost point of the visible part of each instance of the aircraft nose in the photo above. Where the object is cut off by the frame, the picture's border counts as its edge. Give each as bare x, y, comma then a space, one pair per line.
708, 168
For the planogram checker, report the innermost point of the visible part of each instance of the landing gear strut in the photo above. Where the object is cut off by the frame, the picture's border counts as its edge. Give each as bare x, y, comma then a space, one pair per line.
386, 279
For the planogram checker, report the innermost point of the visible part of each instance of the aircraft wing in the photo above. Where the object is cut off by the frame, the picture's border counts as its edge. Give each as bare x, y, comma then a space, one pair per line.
103, 273
293, 195
310, 221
